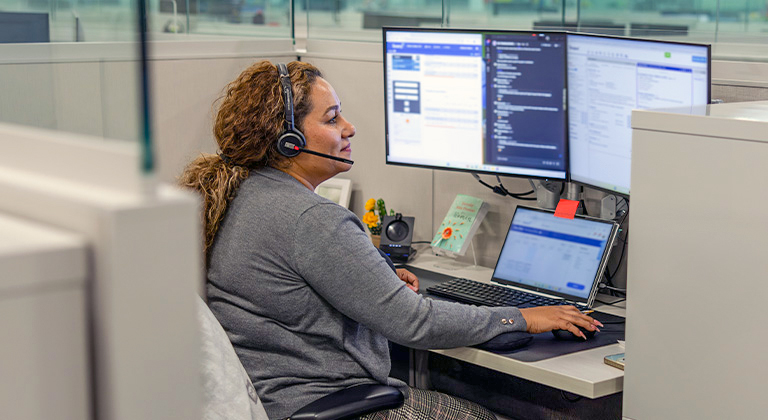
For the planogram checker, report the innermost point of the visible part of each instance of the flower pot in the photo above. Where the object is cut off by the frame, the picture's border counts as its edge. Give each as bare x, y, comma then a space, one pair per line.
376, 239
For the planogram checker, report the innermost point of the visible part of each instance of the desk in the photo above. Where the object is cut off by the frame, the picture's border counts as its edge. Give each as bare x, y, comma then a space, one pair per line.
583, 373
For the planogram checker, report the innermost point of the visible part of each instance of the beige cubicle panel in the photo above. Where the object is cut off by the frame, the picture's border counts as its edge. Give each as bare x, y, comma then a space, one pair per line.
44, 371
697, 269
122, 307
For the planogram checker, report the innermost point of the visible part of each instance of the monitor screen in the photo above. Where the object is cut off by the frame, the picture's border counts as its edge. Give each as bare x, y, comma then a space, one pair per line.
477, 101
607, 79
17, 27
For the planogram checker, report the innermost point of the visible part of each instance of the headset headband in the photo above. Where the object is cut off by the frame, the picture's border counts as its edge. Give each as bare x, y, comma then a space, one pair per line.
285, 81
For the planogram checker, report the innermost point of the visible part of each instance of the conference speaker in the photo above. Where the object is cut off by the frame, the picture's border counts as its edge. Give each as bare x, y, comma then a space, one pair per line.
396, 237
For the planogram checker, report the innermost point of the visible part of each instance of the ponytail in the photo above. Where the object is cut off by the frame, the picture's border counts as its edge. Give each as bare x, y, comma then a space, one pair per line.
217, 182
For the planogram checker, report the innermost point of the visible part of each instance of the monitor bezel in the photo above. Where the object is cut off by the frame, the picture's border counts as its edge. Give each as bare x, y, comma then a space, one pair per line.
566, 152
589, 300
626, 38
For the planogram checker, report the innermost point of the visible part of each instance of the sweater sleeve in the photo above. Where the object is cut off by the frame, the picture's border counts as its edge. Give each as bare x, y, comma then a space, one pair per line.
337, 259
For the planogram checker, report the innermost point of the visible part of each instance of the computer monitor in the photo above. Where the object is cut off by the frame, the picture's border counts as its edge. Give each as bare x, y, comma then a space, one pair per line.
17, 27
608, 78
476, 101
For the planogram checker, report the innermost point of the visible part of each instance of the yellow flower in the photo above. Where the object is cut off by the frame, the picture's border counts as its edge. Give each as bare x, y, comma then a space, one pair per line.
370, 204
370, 219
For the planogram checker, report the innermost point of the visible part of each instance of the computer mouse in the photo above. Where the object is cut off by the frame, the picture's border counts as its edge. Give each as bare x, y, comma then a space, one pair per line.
567, 335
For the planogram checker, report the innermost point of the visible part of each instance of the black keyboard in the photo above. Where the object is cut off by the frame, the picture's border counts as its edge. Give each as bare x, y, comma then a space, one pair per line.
485, 294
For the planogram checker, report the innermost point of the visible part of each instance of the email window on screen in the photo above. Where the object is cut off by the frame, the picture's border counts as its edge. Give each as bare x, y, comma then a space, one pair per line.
550, 255
607, 79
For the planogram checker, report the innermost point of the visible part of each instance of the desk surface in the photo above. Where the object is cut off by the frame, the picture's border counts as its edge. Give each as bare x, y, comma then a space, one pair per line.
583, 373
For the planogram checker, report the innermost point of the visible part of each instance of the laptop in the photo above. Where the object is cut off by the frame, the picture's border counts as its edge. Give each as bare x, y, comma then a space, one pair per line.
554, 259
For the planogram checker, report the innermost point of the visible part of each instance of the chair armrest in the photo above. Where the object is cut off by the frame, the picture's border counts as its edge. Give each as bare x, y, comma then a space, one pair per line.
351, 403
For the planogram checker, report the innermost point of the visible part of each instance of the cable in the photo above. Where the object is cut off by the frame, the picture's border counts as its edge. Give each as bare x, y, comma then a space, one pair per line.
525, 198
514, 194
583, 205
615, 289
500, 190
612, 303
626, 236
607, 273
626, 203
569, 399
477, 177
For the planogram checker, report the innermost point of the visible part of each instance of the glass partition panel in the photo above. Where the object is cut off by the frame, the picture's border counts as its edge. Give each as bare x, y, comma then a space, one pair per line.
505, 14
66, 20
361, 20
49, 81
215, 18
707, 21
689, 20
114, 20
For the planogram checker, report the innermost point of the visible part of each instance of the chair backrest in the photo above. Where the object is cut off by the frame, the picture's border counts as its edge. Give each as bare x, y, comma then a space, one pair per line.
228, 391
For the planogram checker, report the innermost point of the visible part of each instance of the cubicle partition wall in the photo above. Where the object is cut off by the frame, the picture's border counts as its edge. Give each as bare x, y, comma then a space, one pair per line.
697, 267
110, 330
24, 27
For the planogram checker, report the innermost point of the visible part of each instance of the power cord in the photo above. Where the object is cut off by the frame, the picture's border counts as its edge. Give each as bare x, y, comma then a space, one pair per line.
583, 205
611, 303
570, 399
519, 196
611, 288
501, 190
607, 274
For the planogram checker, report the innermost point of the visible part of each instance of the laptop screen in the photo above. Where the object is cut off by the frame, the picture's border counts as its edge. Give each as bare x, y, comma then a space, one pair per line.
553, 255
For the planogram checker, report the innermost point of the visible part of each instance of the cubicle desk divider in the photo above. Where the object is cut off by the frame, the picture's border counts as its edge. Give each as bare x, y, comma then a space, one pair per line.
696, 342
43, 295
134, 290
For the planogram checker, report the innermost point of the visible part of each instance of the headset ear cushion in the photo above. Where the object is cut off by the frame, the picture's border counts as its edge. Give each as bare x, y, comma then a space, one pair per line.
288, 141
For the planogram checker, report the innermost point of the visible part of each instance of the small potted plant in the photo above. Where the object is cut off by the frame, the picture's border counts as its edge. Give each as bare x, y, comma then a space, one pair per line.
375, 212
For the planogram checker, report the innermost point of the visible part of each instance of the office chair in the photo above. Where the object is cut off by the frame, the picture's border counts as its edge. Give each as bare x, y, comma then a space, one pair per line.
229, 393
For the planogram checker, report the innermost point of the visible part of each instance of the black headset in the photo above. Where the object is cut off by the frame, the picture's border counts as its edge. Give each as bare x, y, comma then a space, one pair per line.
291, 141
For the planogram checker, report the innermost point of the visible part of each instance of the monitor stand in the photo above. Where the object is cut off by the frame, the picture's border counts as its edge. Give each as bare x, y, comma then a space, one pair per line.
608, 207
547, 194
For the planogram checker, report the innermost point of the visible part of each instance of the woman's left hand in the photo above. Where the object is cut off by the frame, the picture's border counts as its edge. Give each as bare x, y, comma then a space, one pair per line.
409, 278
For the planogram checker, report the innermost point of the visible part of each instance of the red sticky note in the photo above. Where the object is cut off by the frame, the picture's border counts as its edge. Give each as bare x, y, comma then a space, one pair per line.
566, 208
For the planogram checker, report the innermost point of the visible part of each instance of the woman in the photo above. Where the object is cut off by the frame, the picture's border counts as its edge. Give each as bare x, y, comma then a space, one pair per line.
305, 298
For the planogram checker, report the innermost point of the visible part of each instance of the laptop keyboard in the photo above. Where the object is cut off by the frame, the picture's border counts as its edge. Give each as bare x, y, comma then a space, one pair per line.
485, 294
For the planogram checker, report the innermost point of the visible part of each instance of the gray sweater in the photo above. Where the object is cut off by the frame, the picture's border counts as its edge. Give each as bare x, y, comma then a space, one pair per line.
309, 303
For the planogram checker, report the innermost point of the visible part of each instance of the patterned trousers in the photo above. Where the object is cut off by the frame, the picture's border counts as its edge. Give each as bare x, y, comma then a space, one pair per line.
431, 405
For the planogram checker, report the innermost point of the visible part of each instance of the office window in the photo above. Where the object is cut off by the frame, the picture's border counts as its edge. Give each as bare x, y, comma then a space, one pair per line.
708, 21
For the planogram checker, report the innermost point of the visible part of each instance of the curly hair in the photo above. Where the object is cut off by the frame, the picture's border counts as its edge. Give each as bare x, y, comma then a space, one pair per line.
246, 127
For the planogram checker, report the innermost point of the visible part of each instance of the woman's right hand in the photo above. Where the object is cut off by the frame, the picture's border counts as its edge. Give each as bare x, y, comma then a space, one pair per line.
547, 318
